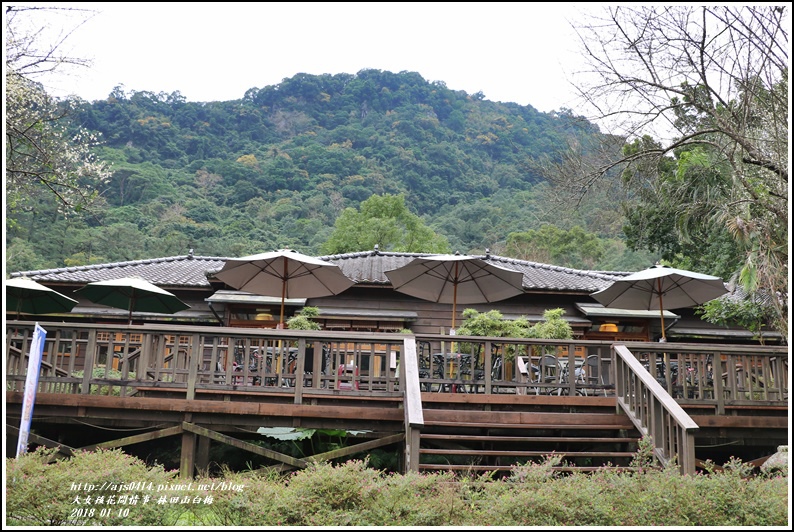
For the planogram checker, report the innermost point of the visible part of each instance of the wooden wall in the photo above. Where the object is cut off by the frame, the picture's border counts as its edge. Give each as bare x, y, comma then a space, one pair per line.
436, 318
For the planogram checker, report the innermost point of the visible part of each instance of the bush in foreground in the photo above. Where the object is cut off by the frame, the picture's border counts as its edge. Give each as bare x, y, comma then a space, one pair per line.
351, 494
86, 489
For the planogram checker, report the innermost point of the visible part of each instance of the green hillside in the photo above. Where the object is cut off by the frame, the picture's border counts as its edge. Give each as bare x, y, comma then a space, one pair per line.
276, 168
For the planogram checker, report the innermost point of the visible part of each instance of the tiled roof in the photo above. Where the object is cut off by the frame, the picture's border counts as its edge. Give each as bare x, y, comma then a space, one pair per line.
539, 276
186, 271
737, 294
367, 267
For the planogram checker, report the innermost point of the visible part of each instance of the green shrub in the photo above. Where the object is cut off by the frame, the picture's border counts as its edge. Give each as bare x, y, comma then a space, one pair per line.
323, 493
102, 372
254, 503
352, 494
304, 321
419, 500
492, 323
41, 492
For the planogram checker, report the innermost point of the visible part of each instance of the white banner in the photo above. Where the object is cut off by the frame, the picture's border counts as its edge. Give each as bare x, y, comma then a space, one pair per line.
31, 385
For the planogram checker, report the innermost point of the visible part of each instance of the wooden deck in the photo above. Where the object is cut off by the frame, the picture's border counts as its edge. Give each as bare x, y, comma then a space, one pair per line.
217, 386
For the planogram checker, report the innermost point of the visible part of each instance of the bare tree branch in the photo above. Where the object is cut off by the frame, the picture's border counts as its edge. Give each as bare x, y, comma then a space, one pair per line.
707, 81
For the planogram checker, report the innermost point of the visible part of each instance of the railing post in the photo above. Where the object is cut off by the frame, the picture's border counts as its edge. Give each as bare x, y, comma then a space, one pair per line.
616, 374
487, 365
147, 347
571, 371
299, 371
716, 376
687, 446
414, 418
88, 362
194, 359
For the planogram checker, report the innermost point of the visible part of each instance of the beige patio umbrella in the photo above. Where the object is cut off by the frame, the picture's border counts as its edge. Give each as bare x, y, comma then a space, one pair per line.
661, 287
456, 279
284, 273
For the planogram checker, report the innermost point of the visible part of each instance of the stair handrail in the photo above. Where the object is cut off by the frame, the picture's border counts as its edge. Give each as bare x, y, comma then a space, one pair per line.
653, 411
414, 416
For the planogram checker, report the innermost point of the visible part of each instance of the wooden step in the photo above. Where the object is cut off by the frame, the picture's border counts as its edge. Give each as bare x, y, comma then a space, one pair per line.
561, 439
522, 436
478, 452
533, 426
467, 467
440, 418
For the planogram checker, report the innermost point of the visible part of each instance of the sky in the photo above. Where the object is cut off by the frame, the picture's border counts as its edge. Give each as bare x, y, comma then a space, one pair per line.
517, 52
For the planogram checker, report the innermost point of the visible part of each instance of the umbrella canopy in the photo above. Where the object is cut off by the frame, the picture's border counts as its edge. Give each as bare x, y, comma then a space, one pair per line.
132, 294
456, 279
661, 287
26, 296
284, 273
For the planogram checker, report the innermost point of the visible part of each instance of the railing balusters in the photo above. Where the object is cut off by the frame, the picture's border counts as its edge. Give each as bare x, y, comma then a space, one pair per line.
165, 355
657, 415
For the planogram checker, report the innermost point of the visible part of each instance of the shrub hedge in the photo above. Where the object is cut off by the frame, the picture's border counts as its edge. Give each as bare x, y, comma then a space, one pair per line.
43, 492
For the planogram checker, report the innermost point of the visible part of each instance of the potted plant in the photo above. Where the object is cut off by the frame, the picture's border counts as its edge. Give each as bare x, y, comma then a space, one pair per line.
492, 323
553, 327
303, 321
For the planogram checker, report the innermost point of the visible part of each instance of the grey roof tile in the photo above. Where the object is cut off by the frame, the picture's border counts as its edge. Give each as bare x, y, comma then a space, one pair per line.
180, 271
369, 267
366, 267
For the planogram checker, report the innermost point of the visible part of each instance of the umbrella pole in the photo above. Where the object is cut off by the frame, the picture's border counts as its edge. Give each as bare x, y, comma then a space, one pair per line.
280, 327
661, 315
454, 306
661, 311
281, 316
454, 312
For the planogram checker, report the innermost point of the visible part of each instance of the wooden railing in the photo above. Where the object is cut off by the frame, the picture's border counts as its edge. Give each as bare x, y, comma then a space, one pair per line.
650, 381
494, 365
654, 412
414, 418
721, 376
120, 359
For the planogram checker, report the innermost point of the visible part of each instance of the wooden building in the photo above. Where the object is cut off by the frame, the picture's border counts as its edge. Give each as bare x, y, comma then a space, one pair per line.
176, 376
371, 305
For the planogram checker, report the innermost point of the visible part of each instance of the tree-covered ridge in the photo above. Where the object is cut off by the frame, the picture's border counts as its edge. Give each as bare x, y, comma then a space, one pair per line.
700, 141
279, 166
440, 146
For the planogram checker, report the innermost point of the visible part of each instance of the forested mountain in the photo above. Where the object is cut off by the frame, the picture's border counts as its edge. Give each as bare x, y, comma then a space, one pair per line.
276, 168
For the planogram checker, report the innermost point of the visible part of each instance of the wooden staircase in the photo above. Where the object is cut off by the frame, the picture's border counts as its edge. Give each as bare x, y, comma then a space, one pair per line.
584, 431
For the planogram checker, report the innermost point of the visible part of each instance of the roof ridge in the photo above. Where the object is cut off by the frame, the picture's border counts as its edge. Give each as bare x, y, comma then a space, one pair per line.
105, 265
372, 253
598, 274
363, 267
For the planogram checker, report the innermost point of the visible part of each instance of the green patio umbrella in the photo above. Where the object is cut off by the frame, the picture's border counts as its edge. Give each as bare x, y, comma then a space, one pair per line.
133, 294
26, 296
